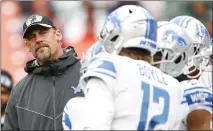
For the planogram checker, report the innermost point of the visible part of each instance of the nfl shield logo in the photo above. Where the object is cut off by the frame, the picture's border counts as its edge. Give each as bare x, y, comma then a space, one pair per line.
33, 19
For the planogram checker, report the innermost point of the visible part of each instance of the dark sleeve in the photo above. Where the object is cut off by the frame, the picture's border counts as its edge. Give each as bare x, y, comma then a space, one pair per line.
11, 119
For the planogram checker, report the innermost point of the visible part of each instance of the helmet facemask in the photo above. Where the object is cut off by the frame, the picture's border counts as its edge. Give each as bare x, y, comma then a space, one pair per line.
171, 63
112, 38
204, 63
173, 43
206, 69
193, 66
200, 38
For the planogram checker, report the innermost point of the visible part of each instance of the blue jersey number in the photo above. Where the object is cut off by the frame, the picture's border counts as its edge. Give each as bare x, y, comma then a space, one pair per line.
158, 119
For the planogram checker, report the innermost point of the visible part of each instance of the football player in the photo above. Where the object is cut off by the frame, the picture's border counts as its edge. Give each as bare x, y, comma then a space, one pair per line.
122, 90
201, 40
206, 76
174, 50
95, 49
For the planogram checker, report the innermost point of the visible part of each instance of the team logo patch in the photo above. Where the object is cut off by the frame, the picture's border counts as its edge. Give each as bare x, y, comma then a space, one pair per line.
33, 19
76, 89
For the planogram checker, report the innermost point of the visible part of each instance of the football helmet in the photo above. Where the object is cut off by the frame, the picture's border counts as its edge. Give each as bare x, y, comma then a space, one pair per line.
206, 66
173, 44
129, 26
200, 38
95, 49
161, 23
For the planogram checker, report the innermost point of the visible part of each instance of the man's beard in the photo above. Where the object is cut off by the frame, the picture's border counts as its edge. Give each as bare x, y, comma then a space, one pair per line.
3, 107
44, 55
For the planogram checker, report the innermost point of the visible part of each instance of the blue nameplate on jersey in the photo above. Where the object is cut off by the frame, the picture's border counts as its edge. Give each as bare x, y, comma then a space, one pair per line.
198, 97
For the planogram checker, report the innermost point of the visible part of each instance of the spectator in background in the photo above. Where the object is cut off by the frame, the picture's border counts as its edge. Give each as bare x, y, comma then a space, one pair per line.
37, 101
6, 87
200, 10
121, 3
89, 37
37, 7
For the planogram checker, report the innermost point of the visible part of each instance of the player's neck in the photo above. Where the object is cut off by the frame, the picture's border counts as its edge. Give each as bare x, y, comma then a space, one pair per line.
182, 77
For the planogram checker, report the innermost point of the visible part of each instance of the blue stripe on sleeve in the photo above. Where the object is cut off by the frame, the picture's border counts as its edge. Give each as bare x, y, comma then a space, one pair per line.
208, 105
198, 97
107, 65
104, 73
67, 121
205, 88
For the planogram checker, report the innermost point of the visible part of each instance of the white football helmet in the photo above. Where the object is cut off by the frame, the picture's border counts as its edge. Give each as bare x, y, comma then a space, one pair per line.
206, 66
95, 49
129, 26
161, 23
200, 38
173, 43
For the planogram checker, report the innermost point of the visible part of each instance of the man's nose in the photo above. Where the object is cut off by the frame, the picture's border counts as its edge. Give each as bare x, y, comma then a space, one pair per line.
38, 39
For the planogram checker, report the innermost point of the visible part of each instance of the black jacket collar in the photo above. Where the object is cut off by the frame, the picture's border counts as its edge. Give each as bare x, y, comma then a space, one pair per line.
55, 67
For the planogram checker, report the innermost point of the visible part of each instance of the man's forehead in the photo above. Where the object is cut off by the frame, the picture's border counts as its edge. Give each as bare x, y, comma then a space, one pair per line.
35, 28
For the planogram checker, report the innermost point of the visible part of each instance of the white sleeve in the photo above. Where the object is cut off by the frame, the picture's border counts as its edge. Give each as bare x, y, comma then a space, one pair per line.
103, 68
197, 97
100, 106
74, 114
93, 112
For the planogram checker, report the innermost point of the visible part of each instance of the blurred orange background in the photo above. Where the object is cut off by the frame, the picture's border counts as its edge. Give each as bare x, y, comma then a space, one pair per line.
79, 21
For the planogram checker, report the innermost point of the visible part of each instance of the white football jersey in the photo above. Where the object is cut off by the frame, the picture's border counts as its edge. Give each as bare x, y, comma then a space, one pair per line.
196, 97
138, 96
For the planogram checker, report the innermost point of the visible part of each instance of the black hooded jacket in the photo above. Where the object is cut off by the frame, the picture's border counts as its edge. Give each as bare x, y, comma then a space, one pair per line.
37, 101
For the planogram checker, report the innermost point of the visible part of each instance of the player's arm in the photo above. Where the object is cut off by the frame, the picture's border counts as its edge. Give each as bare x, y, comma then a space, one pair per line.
98, 84
99, 105
93, 112
199, 120
199, 100
74, 114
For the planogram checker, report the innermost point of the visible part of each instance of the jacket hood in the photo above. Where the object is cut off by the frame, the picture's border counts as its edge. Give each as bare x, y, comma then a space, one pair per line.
55, 67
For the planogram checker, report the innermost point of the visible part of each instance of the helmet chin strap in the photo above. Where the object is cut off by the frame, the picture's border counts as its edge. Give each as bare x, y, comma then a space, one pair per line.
192, 70
196, 76
196, 71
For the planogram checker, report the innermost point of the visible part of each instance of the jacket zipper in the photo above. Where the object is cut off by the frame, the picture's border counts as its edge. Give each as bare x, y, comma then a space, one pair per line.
54, 112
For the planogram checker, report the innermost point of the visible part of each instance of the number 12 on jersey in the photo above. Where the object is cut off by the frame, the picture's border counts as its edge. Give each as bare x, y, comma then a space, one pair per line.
157, 119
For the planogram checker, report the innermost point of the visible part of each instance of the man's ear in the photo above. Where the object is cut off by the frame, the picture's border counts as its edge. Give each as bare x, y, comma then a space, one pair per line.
27, 44
58, 35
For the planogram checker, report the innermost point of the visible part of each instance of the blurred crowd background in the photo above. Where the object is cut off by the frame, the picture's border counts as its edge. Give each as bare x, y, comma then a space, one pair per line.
80, 23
